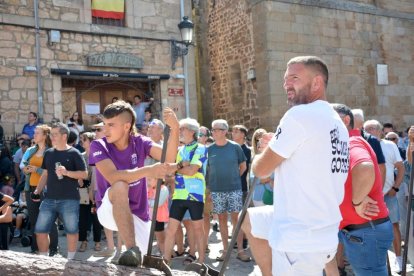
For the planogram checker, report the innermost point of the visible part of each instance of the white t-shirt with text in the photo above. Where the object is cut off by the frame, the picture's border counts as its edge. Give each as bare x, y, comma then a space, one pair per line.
309, 183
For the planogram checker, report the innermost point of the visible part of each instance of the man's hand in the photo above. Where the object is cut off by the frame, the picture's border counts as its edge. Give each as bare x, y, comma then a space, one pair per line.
391, 193
161, 170
61, 170
170, 118
367, 209
264, 141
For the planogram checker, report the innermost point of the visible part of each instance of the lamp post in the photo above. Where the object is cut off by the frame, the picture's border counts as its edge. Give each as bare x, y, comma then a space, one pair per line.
180, 48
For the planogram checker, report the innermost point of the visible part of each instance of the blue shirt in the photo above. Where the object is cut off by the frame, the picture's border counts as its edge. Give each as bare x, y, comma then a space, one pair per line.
223, 167
29, 129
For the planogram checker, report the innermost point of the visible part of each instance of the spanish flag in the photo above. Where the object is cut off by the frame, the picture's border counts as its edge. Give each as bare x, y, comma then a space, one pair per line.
108, 9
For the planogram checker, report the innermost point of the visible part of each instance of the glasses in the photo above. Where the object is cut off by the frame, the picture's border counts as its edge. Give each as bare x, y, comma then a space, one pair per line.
217, 129
97, 129
391, 138
202, 135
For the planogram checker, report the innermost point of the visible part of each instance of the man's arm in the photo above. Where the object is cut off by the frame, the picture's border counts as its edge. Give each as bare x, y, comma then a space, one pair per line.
242, 168
73, 174
400, 174
363, 178
41, 184
17, 172
265, 163
107, 168
188, 169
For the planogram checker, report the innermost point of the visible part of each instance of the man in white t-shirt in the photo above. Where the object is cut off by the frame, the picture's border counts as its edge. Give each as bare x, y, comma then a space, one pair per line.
309, 155
393, 163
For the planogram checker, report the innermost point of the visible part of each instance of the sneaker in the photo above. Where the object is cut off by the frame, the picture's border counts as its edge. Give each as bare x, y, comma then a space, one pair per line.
105, 253
53, 252
17, 233
131, 257
83, 247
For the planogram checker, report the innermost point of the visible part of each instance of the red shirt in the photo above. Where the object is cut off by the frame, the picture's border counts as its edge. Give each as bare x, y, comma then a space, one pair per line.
360, 151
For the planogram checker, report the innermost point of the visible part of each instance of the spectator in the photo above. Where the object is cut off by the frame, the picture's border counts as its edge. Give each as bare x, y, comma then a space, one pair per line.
6, 164
7, 186
139, 109
393, 137
17, 158
87, 215
5, 218
148, 116
189, 190
75, 123
31, 166
226, 163
365, 224
393, 163
62, 167
29, 128
162, 212
122, 193
20, 214
261, 184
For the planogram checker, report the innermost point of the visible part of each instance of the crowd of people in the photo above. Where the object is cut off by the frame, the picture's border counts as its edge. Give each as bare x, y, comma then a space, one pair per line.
339, 182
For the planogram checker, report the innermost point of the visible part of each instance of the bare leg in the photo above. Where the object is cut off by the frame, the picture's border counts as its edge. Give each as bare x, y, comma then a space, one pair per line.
109, 238
198, 230
224, 231
160, 236
179, 238
118, 243
170, 237
19, 221
118, 195
397, 239
206, 229
234, 218
190, 236
43, 242
72, 240
340, 260
331, 268
260, 248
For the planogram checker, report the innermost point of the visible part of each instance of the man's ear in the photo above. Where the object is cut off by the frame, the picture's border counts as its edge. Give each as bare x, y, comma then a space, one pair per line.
317, 83
347, 120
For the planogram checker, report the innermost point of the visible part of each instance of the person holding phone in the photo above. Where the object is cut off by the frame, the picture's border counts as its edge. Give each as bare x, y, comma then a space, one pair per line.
31, 166
75, 123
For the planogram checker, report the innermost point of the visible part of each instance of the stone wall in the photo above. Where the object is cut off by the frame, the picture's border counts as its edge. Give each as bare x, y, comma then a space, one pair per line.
230, 56
352, 36
150, 27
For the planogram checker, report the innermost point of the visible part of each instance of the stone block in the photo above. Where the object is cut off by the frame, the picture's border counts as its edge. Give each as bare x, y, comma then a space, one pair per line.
72, 17
4, 35
26, 51
18, 82
9, 52
4, 84
142, 9
75, 48
46, 53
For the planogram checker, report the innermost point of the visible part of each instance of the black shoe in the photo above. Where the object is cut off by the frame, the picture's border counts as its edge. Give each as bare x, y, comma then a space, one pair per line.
131, 257
342, 271
53, 252
216, 227
61, 227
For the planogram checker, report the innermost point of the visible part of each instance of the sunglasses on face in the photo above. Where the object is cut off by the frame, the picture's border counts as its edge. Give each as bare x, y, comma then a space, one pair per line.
97, 129
391, 138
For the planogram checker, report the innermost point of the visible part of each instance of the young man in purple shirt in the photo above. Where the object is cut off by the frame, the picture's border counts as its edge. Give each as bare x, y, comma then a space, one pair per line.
122, 194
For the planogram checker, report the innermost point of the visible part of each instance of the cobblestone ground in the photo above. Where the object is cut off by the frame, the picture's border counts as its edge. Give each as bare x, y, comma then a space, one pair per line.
235, 267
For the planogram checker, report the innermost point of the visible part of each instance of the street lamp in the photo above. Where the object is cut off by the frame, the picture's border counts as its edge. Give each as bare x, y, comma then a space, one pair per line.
186, 29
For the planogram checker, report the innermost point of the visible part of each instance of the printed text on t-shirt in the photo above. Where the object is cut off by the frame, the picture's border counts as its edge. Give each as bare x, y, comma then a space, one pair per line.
340, 152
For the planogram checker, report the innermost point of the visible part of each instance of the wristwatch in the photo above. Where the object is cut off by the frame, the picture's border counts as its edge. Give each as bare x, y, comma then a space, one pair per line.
395, 189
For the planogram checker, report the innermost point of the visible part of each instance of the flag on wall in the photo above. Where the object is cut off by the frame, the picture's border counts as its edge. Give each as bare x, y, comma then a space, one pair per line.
108, 9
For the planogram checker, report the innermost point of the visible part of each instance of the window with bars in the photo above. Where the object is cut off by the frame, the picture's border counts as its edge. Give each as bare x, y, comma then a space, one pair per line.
108, 12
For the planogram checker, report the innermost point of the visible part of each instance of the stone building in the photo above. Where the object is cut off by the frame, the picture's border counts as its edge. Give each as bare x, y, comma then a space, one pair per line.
85, 61
247, 44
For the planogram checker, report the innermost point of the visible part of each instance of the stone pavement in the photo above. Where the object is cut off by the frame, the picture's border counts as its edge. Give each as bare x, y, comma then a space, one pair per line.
235, 267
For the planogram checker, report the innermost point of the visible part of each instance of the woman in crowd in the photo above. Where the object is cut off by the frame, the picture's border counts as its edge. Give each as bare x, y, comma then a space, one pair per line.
75, 123
31, 165
262, 186
86, 211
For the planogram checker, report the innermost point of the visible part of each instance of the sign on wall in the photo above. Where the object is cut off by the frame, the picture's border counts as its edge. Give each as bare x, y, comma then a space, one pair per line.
175, 92
92, 108
118, 60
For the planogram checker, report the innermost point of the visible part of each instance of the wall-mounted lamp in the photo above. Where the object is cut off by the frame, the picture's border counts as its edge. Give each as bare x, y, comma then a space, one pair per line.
180, 48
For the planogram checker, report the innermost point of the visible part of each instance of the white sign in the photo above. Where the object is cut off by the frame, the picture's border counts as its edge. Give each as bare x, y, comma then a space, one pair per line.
92, 108
382, 74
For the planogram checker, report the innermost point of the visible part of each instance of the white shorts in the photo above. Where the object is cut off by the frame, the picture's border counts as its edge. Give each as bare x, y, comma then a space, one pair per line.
142, 228
287, 263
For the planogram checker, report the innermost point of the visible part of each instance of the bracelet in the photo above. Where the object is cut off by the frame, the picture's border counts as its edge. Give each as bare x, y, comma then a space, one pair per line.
395, 189
180, 165
355, 205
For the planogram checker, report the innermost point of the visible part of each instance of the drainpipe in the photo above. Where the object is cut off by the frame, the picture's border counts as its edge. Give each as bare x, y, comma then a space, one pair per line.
38, 66
185, 64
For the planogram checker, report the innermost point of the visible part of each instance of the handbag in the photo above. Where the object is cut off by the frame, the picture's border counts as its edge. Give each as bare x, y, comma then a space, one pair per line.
84, 196
267, 196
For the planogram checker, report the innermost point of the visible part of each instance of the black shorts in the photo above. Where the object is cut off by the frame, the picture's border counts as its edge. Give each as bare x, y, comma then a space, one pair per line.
159, 226
179, 207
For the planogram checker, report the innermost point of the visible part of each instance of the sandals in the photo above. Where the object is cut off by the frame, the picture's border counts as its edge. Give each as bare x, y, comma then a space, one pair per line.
189, 259
242, 256
176, 254
207, 249
221, 258
97, 246
83, 246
